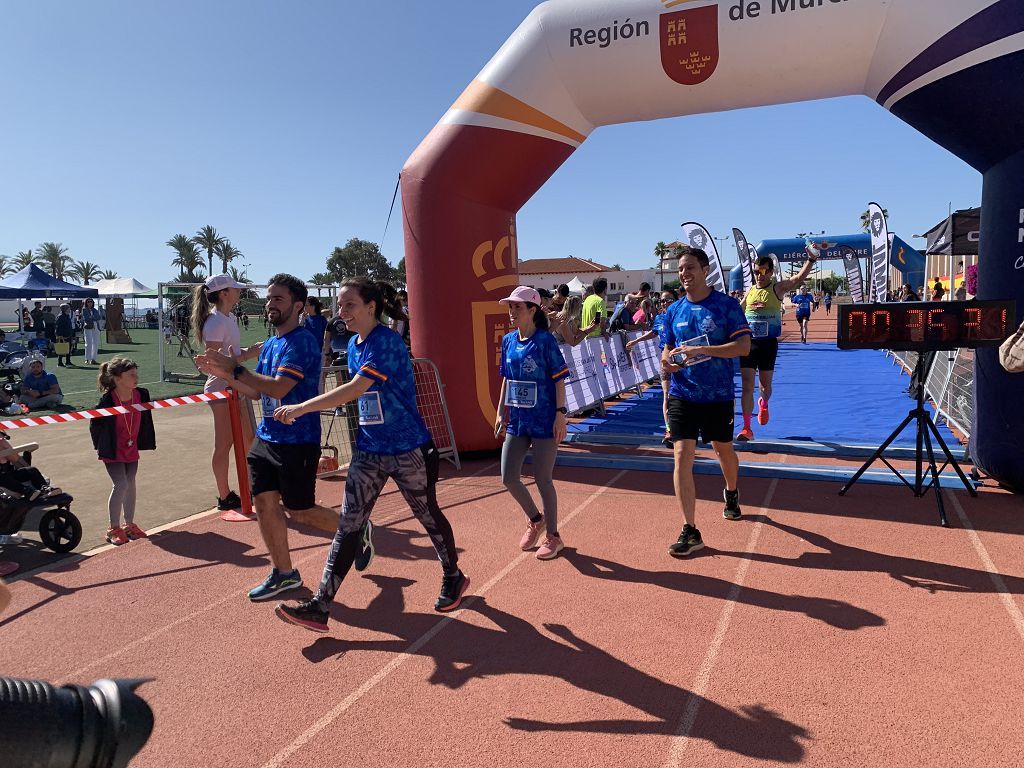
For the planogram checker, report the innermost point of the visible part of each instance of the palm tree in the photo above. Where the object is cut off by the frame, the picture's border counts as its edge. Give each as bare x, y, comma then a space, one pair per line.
108, 274
55, 256
6, 266
188, 260
208, 238
865, 219
23, 259
237, 276
660, 252
85, 271
226, 252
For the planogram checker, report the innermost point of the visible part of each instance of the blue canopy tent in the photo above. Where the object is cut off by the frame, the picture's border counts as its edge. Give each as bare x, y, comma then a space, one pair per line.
33, 283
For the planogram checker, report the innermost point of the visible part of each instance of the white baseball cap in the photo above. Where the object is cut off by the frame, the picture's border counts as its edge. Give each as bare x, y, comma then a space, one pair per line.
525, 294
220, 282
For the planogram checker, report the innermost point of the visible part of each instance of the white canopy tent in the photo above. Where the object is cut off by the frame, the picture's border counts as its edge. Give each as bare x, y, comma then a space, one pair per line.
120, 286
576, 285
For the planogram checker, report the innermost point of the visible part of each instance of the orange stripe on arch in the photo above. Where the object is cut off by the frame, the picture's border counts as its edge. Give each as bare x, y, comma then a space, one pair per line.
488, 100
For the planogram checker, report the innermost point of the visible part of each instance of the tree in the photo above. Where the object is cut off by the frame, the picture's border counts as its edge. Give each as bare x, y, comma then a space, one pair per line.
6, 266
55, 257
108, 274
865, 219
400, 277
208, 238
23, 259
359, 257
85, 271
237, 276
188, 260
617, 267
226, 252
321, 278
660, 252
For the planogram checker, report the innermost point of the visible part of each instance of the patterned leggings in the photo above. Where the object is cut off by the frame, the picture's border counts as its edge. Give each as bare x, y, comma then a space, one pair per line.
415, 473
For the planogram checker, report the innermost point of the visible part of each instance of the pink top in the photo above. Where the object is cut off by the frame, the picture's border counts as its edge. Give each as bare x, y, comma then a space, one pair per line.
126, 427
639, 317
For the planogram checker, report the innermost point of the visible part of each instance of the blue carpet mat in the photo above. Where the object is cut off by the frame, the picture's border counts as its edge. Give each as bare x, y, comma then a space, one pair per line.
820, 394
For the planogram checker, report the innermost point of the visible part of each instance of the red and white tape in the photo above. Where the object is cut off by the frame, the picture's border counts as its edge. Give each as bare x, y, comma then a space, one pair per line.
98, 413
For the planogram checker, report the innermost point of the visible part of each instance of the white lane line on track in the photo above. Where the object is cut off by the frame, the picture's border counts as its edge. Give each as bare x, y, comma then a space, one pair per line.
232, 596
309, 734
997, 578
702, 682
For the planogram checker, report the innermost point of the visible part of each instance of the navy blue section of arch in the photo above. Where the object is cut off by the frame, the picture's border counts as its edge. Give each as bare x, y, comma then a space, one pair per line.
975, 114
998, 21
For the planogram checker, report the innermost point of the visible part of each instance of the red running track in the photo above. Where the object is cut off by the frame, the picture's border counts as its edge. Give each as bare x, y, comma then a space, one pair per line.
819, 630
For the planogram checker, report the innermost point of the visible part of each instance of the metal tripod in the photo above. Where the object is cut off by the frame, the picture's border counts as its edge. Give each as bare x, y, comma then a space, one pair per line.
925, 430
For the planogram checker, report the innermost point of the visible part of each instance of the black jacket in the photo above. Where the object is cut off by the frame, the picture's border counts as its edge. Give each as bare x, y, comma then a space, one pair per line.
104, 434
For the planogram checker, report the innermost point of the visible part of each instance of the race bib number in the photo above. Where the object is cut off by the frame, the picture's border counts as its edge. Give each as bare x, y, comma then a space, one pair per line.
370, 410
269, 405
758, 328
521, 394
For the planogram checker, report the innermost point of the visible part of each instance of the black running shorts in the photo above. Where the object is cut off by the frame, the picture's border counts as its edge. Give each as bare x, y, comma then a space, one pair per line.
712, 422
762, 354
288, 469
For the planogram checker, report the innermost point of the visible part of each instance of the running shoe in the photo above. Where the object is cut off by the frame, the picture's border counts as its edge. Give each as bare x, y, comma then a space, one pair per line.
532, 535
133, 532
550, 548
732, 505
745, 434
229, 502
116, 536
689, 541
306, 614
762, 411
453, 588
365, 554
275, 584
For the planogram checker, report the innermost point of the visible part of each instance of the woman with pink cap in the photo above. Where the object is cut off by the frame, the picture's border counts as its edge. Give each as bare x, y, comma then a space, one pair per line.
531, 411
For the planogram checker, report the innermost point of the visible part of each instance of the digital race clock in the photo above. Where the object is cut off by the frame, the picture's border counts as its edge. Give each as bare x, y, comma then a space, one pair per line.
925, 325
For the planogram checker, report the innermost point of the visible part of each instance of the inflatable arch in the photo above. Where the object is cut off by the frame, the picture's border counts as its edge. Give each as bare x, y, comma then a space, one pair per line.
950, 68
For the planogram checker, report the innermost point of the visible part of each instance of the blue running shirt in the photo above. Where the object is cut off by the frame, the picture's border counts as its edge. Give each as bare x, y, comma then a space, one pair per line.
389, 422
657, 325
530, 369
721, 319
295, 356
803, 302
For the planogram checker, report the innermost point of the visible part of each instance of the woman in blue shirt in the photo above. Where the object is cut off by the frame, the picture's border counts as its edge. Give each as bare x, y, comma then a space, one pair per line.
531, 410
392, 442
315, 321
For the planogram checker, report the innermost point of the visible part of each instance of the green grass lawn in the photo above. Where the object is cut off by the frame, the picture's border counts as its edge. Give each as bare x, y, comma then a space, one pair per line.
79, 382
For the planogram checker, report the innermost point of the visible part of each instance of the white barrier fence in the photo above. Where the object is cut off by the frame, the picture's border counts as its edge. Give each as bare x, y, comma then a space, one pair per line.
600, 368
949, 385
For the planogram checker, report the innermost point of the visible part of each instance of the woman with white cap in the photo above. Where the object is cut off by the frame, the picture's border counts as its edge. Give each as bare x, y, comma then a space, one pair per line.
531, 411
215, 328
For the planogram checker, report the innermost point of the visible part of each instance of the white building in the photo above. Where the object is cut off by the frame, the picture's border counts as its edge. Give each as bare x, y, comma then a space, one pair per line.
550, 273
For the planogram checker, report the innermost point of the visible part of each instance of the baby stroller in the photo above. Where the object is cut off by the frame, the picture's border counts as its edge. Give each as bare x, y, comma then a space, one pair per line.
59, 529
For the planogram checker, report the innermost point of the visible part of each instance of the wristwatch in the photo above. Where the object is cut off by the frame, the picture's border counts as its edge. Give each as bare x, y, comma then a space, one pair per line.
238, 371
563, 409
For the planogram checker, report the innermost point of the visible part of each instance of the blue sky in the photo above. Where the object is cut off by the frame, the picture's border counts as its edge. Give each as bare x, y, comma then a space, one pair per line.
285, 125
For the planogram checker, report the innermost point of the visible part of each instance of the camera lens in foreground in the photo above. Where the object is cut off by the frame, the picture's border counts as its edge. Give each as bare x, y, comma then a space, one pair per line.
103, 725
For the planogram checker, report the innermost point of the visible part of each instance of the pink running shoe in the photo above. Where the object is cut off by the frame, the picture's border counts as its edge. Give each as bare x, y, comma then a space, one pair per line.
532, 535
133, 532
550, 548
116, 536
762, 411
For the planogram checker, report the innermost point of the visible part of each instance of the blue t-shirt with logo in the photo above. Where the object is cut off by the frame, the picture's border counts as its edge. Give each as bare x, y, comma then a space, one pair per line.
530, 368
389, 421
803, 302
720, 318
296, 356
657, 325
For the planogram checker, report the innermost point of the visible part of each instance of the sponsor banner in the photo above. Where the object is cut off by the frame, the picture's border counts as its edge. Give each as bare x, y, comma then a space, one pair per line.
699, 237
646, 357
853, 275
743, 248
879, 232
956, 235
586, 383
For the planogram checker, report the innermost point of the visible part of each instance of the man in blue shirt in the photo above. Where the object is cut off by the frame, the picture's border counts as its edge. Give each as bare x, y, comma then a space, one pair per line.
283, 458
702, 332
39, 389
803, 301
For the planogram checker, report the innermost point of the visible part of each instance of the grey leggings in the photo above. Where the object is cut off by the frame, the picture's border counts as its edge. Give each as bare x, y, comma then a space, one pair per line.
122, 495
513, 452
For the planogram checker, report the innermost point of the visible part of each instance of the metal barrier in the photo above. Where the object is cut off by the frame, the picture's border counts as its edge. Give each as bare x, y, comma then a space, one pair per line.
433, 408
949, 385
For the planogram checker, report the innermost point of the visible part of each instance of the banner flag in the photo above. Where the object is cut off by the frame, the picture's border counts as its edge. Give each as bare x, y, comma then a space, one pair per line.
752, 254
698, 237
743, 248
879, 231
853, 276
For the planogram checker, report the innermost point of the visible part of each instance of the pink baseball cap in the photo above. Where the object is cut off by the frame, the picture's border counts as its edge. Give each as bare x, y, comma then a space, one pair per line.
525, 294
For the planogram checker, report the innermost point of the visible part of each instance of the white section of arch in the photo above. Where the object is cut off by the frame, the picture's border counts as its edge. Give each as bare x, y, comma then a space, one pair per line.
837, 48
463, 117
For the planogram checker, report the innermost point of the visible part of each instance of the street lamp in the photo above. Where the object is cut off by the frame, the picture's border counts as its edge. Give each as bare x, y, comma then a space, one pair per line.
245, 269
721, 243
